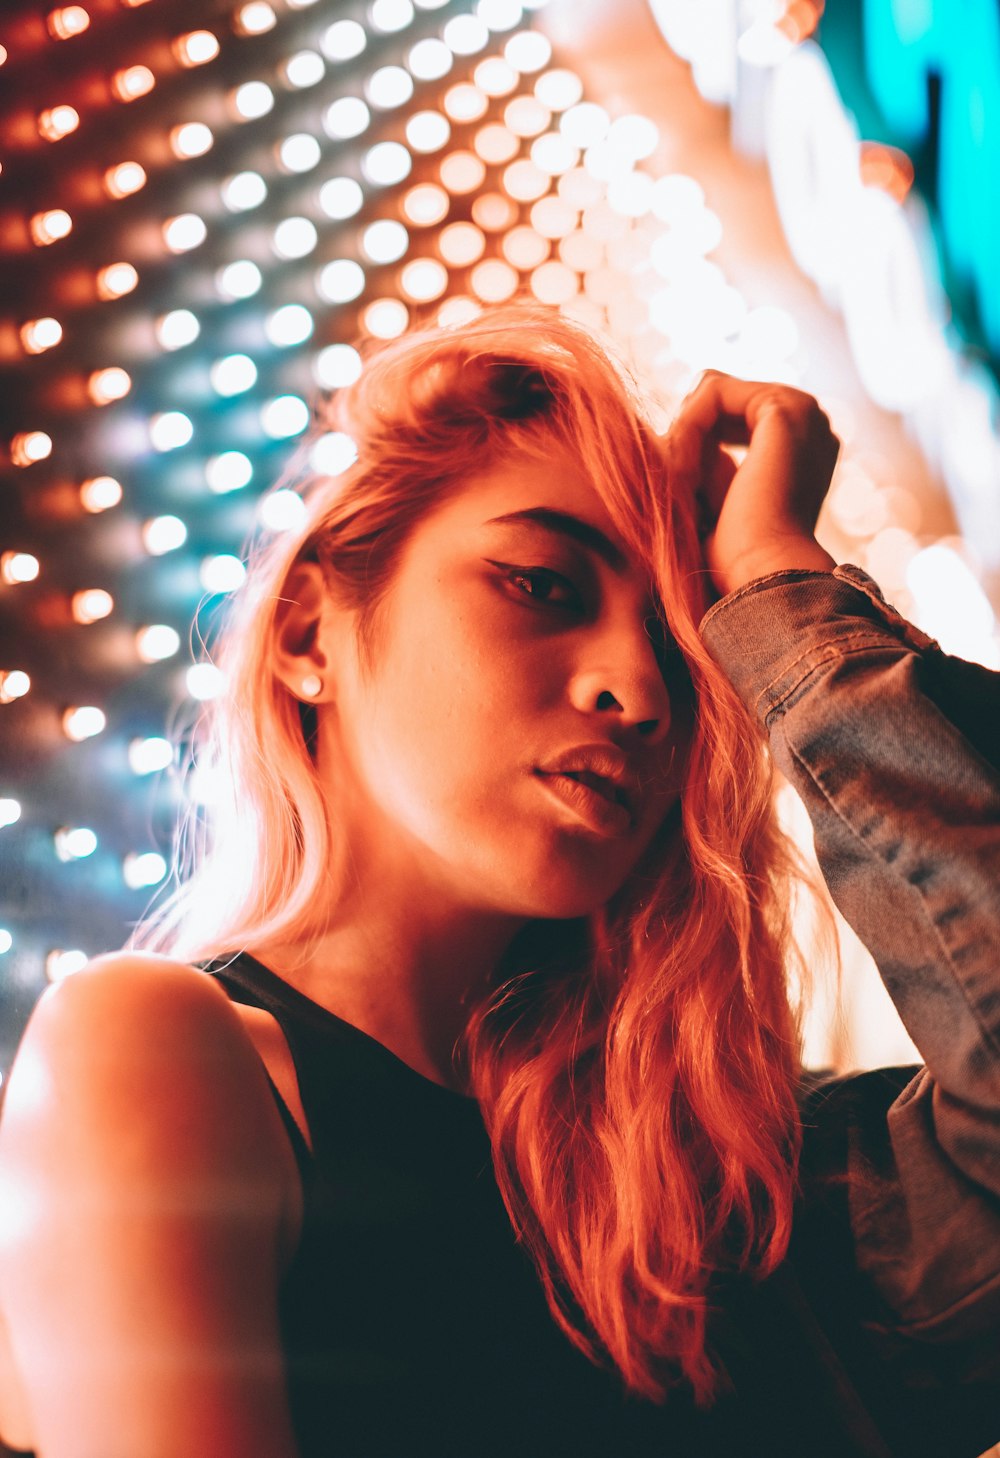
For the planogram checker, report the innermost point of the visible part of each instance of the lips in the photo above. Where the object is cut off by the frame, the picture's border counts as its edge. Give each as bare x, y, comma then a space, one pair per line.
602, 767
594, 801
604, 787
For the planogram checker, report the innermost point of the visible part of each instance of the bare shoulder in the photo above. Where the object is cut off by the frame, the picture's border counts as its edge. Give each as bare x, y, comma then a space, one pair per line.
140, 1043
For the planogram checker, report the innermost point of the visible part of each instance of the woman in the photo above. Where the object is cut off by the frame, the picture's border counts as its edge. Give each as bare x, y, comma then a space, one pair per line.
485, 1133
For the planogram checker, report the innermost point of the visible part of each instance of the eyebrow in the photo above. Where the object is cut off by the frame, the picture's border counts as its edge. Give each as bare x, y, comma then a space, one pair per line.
565, 525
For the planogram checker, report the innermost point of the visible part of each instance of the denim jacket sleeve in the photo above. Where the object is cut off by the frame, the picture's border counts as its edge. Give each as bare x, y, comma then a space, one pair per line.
894, 747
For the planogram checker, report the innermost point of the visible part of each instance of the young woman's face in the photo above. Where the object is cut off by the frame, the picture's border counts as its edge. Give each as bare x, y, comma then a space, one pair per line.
507, 647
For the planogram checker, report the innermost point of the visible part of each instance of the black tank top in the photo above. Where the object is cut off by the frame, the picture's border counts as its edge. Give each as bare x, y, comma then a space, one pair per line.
413, 1325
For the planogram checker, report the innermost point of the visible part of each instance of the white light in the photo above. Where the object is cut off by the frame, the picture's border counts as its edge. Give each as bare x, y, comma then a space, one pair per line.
341, 197
493, 281
385, 241
770, 332
466, 35
10, 812
340, 281
255, 18
282, 511
429, 60
299, 152
950, 604
554, 283
285, 416
291, 324
252, 100
204, 681
559, 89
184, 232
389, 86
146, 869
243, 191
177, 328
239, 279
634, 137
585, 124
13, 685
116, 279
304, 69
107, 385
83, 722
386, 318
631, 194
228, 471
59, 964
163, 534
156, 642
336, 366
196, 48
170, 430
496, 77
677, 196
192, 139
386, 163
389, 16
423, 279
146, 756
554, 153
74, 843
525, 116
461, 244
222, 573
91, 605
427, 131
233, 374
343, 40
500, 15
426, 204
294, 238
17, 567
345, 118
528, 51
333, 453
6, 942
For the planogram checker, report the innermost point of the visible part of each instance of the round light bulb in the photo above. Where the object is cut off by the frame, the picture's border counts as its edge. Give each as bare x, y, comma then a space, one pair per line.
300, 152
196, 48
132, 82
157, 642
252, 100
336, 366
67, 21
240, 279
184, 232
222, 573
294, 238
343, 40
83, 722
115, 280
169, 430
233, 375
146, 869
427, 131
340, 281
229, 471
177, 329
163, 534
91, 605
56, 122
30, 446
18, 567
48, 227
283, 417
291, 324
386, 163
385, 241
39, 335
191, 139
147, 756
347, 117
341, 197
107, 385
243, 191
255, 18
100, 493
304, 69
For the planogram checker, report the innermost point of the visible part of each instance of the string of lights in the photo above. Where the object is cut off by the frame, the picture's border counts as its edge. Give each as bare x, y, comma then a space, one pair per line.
198, 227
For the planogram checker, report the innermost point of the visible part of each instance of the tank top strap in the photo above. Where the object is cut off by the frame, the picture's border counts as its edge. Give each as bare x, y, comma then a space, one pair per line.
246, 981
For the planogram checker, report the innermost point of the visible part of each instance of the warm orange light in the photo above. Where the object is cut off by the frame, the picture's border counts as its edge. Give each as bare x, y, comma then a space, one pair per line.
801, 18
132, 82
191, 139
426, 204
525, 249
107, 385
39, 335
494, 212
57, 121
124, 178
50, 226
493, 281
90, 605
196, 48
461, 244
100, 493
462, 172
465, 102
18, 567
67, 21
495, 144
29, 446
886, 168
116, 279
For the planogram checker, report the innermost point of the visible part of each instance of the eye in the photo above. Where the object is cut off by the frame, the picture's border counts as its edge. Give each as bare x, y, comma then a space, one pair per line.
538, 584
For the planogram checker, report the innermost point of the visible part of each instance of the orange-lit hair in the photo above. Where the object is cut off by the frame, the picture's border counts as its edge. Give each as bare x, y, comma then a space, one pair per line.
637, 1069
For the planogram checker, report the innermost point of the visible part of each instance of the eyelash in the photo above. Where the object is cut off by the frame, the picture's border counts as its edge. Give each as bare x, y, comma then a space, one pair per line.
513, 574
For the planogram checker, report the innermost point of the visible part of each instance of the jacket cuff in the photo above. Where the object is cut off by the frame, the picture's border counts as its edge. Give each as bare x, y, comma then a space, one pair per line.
771, 635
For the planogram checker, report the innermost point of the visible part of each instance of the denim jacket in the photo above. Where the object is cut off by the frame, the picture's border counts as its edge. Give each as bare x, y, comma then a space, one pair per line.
893, 1280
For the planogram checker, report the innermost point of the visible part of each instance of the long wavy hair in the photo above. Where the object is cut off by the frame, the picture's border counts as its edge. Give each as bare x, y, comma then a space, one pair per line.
637, 1069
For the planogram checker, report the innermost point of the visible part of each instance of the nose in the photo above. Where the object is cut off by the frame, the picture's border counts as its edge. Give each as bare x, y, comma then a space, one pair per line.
621, 677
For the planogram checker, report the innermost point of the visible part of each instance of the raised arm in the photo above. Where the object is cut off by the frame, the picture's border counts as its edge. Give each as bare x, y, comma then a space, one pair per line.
142, 1189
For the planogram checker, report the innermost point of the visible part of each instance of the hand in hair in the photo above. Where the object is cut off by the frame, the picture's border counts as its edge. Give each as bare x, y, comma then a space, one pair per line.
760, 516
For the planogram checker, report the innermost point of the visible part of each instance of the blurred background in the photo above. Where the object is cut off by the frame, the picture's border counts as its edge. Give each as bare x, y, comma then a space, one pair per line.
201, 217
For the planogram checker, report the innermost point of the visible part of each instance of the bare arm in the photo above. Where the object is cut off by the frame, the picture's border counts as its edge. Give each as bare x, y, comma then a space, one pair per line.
142, 1179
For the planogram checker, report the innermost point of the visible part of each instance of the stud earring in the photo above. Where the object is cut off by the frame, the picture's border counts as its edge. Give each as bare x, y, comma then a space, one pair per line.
311, 685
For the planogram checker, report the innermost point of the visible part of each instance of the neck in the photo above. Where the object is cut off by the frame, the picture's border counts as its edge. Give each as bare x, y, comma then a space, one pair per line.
407, 970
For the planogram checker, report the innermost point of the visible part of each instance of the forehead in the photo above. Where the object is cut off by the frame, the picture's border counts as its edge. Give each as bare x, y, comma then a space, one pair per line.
523, 482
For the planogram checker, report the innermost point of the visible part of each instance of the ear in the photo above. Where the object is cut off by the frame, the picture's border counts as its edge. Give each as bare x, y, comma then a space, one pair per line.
306, 627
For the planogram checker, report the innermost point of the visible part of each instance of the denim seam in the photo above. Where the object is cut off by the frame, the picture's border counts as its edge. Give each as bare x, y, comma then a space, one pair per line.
984, 1029
862, 643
